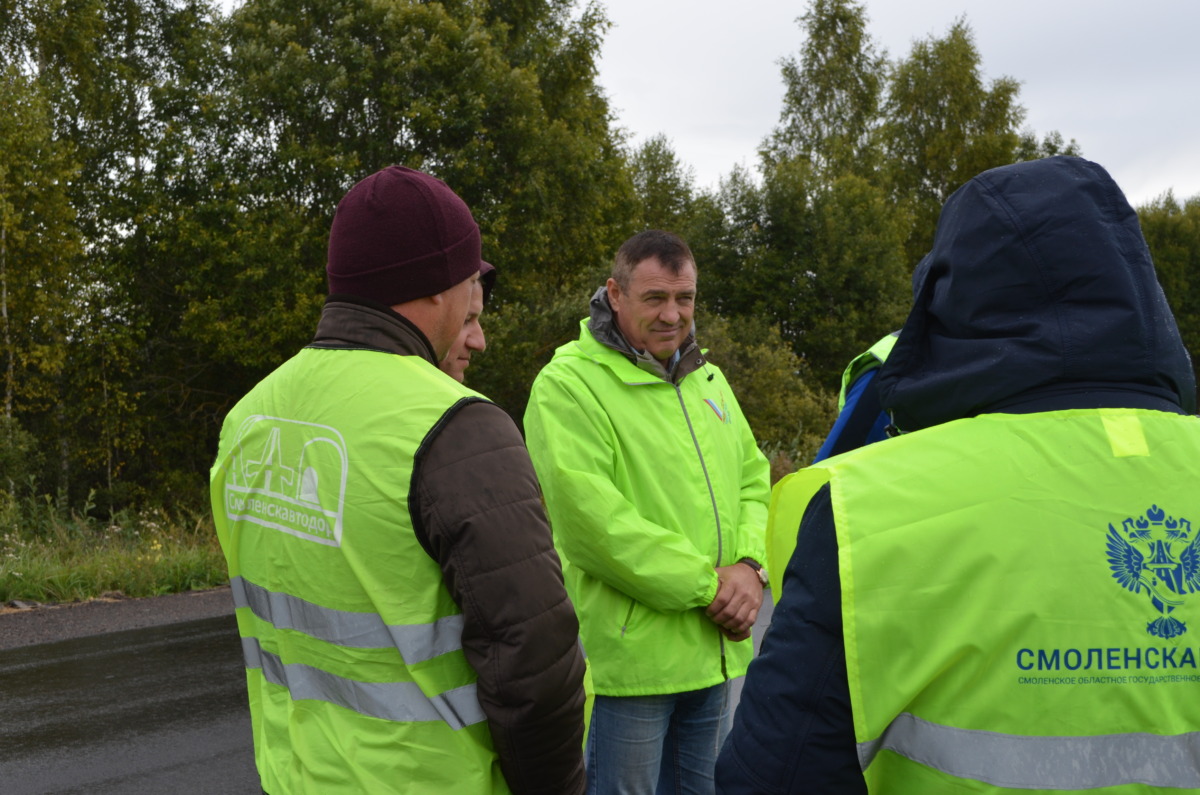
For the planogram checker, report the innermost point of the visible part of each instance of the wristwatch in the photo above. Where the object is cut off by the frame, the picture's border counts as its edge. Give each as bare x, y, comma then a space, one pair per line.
758, 569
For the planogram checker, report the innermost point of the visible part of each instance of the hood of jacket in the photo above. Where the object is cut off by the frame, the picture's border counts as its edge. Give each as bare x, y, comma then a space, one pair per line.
1038, 294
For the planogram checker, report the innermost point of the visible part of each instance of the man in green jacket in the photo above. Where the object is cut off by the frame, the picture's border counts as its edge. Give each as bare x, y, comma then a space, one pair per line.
657, 495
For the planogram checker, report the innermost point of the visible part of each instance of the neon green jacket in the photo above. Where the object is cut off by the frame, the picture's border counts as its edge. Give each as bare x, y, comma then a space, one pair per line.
649, 486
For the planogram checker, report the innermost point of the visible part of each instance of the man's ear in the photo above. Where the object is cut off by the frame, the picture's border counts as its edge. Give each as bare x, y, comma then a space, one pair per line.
614, 291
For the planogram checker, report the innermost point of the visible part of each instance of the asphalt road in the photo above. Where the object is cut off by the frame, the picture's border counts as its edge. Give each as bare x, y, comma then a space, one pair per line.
88, 706
132, 696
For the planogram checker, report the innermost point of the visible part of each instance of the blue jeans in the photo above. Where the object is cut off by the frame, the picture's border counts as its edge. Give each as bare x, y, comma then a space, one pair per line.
668, 744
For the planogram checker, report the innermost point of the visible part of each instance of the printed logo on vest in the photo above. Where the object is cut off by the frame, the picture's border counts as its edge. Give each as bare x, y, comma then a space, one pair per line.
289, 476
1158, 554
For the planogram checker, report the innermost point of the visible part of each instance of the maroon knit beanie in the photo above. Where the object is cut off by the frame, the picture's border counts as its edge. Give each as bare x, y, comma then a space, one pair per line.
400, 235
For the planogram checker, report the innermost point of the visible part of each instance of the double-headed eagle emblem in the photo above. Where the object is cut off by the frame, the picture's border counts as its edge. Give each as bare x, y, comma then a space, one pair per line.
1159, 554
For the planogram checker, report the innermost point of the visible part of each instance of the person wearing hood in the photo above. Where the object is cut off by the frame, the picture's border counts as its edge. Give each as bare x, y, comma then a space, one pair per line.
657, 496
1000, 597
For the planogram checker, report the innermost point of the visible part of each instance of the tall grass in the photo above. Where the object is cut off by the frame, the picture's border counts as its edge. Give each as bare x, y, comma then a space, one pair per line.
52, 553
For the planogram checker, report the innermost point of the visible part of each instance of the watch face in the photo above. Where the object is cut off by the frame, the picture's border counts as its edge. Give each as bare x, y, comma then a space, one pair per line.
762, 577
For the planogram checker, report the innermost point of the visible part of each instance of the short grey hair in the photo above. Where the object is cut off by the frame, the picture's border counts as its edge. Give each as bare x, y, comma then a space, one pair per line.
668, 248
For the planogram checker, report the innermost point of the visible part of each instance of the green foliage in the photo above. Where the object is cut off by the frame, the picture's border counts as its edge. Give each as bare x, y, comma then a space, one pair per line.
209, 155
824, 261
130, 84
832, 94
497, 100
851, 183
49, 553
39, 248
727, 239
786, 412
168, 175
857, 285
664, 186
945, 125
1030, 148
20, 457
1172, 232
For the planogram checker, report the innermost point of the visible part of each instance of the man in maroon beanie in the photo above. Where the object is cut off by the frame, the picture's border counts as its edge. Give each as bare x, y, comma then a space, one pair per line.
400, 602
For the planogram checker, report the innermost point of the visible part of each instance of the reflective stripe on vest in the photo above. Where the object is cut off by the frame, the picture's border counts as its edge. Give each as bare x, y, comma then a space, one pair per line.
398, 701
415, 642
1066, 763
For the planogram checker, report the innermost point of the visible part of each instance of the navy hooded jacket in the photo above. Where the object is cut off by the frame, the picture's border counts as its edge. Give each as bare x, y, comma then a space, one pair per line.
1038, 295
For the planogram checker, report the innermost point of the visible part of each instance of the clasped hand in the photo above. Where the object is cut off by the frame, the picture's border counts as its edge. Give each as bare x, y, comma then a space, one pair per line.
739, 596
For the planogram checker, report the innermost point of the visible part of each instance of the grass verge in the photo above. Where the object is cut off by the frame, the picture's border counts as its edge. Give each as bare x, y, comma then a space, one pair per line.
49, 554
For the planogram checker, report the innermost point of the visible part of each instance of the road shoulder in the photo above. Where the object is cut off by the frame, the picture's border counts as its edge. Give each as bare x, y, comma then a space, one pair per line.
52, 623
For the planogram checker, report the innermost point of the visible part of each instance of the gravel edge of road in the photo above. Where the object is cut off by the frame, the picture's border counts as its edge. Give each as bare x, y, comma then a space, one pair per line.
52, 623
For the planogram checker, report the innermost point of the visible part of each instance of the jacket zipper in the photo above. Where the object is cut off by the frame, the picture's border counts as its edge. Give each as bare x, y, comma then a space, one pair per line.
712, 497
628, 616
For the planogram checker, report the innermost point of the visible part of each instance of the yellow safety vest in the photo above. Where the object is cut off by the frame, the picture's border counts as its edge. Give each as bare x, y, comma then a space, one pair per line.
1021, 602
353, 644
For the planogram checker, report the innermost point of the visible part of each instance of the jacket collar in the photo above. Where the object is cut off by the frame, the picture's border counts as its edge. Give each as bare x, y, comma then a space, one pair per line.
602, 323
352, 323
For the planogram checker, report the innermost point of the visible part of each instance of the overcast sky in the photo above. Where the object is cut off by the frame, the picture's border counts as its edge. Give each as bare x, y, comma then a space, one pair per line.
1120, 78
